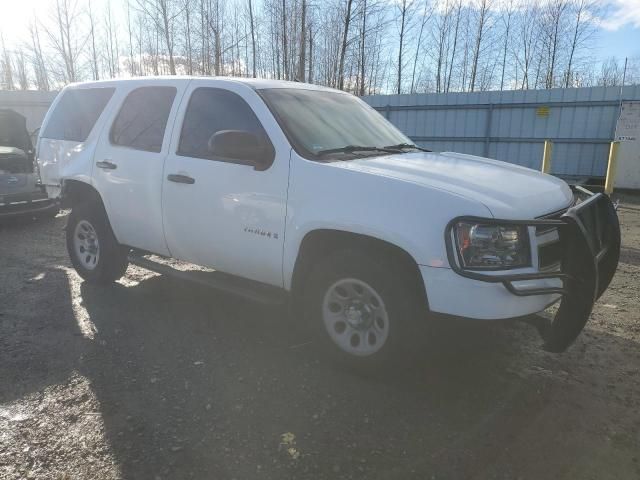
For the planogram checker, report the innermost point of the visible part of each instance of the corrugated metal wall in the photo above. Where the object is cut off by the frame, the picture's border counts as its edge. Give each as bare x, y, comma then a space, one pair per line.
512, 125
509, 125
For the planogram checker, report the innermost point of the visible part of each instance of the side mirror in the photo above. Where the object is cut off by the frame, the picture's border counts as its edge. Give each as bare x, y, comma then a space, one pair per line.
243, 147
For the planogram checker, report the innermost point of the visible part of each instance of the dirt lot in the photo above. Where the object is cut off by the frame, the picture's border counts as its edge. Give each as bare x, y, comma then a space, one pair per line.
156, 379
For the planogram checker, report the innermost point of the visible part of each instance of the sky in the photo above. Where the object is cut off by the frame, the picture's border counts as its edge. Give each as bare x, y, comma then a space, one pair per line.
618, 33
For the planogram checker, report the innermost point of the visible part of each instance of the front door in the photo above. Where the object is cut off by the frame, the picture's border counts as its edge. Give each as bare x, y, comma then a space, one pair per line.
219, 212
129, 160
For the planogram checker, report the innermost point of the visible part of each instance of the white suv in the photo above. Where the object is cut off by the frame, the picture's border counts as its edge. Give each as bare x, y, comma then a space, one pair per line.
294, 190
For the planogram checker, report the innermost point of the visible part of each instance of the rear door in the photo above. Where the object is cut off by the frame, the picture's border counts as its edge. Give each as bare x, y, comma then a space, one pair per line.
69, 135
229, 216
129, 163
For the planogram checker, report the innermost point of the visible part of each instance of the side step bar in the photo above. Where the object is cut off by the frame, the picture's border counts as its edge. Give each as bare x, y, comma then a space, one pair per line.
224, 282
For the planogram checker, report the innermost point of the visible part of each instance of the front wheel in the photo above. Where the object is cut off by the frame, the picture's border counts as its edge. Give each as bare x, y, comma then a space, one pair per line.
363, 309
93, 249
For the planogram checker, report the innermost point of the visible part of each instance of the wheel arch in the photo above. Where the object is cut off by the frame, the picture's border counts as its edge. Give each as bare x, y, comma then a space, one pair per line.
319, 243
77, 191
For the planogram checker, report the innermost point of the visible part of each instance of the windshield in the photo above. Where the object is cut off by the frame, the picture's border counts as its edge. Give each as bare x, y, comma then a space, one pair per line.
318, 121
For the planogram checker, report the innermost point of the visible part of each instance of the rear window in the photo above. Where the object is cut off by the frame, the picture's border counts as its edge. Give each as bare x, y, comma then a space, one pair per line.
142, 120
76, 113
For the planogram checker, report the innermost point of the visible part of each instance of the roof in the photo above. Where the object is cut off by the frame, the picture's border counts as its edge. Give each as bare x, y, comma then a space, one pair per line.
255, 83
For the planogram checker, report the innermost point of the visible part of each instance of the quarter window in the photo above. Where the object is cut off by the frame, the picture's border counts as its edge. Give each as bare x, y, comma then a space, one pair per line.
142, 119
211, 110
76, 113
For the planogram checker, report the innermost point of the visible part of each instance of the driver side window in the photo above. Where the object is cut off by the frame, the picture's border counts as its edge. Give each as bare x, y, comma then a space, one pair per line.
212, 110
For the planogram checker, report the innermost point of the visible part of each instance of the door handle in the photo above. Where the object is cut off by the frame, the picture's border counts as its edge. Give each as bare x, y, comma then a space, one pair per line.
106, 165
177, 178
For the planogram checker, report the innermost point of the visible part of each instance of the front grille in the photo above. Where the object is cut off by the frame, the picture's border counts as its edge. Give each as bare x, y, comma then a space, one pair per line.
549, 255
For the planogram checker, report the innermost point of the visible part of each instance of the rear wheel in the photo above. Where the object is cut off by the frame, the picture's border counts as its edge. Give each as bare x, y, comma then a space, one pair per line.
93, 249
364, 310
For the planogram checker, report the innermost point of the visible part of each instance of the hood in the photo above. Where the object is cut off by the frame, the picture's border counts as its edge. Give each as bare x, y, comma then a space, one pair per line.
509, 191
13, 131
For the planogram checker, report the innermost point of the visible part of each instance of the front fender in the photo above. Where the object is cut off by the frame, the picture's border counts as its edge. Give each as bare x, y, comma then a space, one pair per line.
410, 216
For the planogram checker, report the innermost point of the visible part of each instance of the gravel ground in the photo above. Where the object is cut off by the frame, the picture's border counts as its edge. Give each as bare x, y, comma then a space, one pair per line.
154, 379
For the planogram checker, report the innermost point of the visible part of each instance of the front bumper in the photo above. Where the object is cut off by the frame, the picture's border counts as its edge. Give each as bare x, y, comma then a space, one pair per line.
33, 203
589, 236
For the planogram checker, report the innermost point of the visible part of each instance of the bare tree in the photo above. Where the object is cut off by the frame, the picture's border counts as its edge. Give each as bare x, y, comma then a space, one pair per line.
37, 58
163, 13
186, 8
553, 25
529, 34
65, 38
94, 53
131, 60
6, 67
583, 30
253, 39
21, 70
112, 53
343, 49
440, 36
455, 45
482, 13
285, 45
362, 46
507, 15
611, 73
303, 45
426, 15
404, 8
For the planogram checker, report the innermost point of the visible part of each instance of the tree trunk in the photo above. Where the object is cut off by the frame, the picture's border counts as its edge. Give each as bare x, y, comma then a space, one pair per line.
310, 75
94, 55
363, 36
285, 47
253, 39
303, 44
455, 44
404, 13
478, 43
343, 49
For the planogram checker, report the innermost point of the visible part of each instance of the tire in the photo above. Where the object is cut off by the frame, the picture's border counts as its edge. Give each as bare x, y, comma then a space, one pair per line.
364, 310
93, 249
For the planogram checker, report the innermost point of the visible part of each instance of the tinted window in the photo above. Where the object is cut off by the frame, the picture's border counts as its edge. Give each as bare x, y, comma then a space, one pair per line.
76, 113
142, 120
316, 120
211, 110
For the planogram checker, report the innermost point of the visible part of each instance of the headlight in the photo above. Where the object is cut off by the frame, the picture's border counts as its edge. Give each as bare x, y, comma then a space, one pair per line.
492, 246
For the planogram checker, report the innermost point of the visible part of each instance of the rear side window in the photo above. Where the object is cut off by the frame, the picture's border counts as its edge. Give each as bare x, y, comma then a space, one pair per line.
211, 110
76, 113
142, 120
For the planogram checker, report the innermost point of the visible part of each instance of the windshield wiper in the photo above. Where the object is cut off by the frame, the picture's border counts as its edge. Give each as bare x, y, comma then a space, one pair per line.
356, 148
400, 146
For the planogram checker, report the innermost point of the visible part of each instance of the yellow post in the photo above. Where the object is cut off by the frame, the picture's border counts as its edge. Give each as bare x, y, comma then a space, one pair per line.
546, 156
611, 168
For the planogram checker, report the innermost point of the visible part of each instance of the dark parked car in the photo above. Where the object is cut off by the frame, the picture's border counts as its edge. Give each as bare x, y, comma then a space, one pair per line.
21, 192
